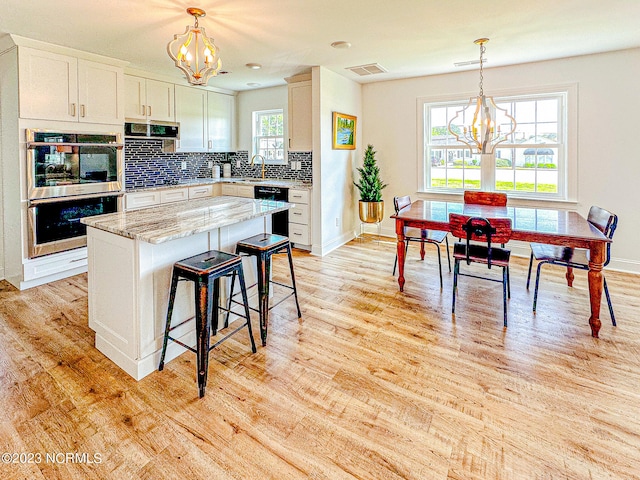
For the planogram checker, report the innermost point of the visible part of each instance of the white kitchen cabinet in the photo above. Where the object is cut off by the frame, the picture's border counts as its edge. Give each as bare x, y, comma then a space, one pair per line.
229, 189
220, 120
62, 87
133, 201
299, 121
191, 114
300, 217
200, 191
206, 120
174, 195
233, 190
147, 99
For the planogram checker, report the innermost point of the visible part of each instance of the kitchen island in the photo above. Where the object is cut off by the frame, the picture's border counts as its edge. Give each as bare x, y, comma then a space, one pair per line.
130, 257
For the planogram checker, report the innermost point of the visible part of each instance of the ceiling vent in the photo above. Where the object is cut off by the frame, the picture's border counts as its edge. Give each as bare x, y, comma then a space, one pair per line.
370, 69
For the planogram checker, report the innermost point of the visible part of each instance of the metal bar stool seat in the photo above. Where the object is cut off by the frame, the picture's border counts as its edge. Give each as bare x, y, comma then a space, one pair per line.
263, 246
206, 270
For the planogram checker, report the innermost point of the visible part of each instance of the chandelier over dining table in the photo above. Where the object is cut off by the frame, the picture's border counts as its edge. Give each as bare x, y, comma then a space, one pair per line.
194, 53
490, 124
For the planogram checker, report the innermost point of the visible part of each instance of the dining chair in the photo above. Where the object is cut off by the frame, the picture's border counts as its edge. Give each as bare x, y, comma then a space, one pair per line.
411, 234
487, 231
571, 258
476, 197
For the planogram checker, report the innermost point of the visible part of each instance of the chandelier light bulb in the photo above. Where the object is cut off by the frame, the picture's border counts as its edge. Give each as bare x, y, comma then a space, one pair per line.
185, 51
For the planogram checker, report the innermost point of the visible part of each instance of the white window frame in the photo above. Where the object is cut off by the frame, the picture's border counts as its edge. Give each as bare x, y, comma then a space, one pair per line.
255, 115
567, 178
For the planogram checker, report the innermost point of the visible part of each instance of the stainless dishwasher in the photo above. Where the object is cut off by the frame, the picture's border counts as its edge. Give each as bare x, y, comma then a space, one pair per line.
279, 220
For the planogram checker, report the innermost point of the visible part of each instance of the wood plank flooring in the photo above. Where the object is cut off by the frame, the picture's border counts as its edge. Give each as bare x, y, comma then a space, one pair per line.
371, 383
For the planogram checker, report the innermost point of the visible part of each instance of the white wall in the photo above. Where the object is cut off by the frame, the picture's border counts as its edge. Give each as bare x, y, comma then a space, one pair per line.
334, 199
608, 106
249, 101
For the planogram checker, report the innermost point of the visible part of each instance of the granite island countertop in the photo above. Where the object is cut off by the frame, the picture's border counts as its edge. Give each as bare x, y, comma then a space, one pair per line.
270, 182
170, 221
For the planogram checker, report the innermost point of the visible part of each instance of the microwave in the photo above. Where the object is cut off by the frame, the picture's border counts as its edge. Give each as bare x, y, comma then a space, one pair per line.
160, 130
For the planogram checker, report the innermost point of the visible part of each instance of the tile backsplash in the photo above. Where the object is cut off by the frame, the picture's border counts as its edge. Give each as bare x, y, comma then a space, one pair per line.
145, 165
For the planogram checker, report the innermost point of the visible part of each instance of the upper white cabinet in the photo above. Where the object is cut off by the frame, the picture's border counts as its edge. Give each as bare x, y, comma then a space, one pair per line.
206, 120
62, 87
220, 118
300, 132
147, 99
191, 114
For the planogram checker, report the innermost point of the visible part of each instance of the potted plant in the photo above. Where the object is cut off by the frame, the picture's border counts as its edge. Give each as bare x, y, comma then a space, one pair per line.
370, 186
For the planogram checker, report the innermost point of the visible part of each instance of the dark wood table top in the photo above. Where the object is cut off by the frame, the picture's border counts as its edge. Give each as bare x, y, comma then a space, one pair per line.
545, 225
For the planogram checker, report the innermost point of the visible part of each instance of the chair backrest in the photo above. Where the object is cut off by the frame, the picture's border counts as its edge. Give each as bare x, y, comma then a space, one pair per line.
478, 229
494, 199
606, 222
400, 202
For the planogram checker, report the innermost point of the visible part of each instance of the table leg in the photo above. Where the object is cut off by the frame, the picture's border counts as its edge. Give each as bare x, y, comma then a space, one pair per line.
401, 252
569, 276
596, 261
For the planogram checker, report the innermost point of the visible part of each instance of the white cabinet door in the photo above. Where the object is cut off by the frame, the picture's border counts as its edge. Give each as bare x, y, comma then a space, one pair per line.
174, 195
147, 99
135, 97
191, 114
100, 93
228, 189
221, 114
201, 191
160, 101
246, 191
61, 87
48, 85
300, 132
136, 200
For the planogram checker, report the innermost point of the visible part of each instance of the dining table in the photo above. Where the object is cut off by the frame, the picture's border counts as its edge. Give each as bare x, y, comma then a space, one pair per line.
529, 224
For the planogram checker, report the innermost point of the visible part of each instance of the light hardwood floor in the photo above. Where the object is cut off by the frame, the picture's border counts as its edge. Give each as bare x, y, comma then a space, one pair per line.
371, 383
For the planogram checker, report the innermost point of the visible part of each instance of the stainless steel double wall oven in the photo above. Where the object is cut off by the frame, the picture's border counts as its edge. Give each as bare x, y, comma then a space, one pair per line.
70, 175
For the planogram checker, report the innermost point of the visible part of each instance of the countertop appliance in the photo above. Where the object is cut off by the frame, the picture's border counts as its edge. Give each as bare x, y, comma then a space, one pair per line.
279, 220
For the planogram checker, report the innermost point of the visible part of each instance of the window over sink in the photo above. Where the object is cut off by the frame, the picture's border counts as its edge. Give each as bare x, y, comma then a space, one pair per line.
268, 136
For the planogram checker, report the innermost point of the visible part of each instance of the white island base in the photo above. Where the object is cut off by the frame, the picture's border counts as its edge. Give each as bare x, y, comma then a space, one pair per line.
129, 282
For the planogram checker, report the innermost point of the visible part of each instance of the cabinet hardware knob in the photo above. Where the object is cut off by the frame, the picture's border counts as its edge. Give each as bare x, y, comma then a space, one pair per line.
73, 109
149, 110
83, 110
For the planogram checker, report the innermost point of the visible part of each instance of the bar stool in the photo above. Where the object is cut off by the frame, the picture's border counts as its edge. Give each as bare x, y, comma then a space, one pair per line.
263, 246
205, 270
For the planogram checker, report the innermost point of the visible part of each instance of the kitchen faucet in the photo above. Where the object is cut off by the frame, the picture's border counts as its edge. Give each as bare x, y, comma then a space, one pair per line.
263, 163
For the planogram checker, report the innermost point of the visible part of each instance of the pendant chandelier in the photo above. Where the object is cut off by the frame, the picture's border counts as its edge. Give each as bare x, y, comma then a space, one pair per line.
491, 124
194, 53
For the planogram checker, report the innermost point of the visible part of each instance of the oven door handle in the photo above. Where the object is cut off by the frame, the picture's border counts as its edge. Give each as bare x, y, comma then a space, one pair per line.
40, 201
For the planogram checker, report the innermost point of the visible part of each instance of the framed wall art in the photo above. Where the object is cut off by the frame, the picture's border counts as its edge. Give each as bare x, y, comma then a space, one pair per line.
344, 131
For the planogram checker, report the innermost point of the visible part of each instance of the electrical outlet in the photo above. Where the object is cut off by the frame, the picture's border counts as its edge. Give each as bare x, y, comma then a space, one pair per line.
238, 164
210, 164
298, 165
337, 222
184, 165
293, 165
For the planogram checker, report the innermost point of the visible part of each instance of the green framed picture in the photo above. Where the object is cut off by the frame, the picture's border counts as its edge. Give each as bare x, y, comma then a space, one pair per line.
344, 131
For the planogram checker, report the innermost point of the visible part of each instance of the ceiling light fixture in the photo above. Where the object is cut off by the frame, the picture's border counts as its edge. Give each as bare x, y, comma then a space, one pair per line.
194, 53
341, 44
253, 66
491, 124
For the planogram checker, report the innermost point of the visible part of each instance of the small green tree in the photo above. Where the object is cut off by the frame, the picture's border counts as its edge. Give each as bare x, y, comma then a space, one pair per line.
370, 185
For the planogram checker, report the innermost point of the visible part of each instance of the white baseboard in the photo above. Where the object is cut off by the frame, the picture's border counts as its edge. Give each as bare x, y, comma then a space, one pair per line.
325, 248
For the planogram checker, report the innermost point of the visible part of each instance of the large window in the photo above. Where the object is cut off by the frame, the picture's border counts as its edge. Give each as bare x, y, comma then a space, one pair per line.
532, 162
268, 135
